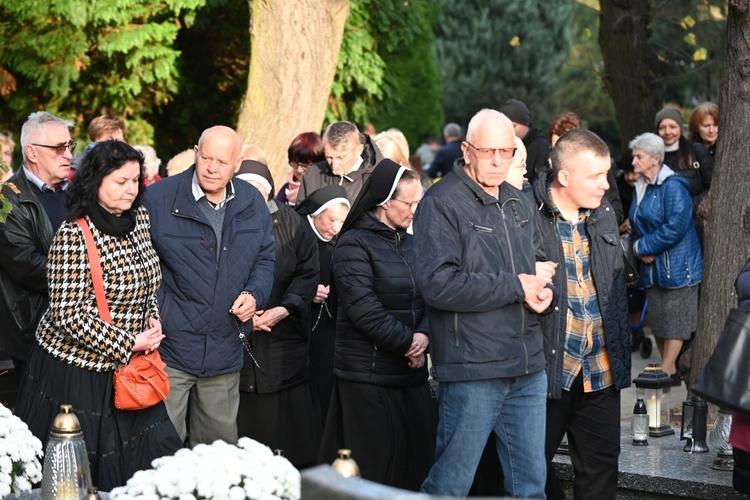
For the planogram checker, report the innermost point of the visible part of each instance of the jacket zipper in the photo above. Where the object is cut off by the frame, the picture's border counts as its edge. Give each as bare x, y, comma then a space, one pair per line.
667, 264
513, 268
413, 283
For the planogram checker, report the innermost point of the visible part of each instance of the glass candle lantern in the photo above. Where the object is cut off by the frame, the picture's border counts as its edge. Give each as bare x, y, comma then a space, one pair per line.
718, 439
66, 474
639, 424
653, 386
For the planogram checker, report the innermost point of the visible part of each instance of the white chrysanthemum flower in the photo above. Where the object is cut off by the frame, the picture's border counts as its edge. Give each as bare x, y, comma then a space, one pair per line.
20, 451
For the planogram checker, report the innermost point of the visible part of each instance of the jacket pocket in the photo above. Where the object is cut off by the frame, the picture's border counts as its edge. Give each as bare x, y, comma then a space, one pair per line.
481, 229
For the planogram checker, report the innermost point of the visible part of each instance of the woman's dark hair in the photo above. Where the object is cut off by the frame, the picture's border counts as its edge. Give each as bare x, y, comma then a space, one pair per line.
306, 148
104, 158
685, 154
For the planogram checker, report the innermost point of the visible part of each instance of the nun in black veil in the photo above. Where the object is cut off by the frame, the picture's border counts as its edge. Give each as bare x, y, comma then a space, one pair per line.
381, 407
325, 211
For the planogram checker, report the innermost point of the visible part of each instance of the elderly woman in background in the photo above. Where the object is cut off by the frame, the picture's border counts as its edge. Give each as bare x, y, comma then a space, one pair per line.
275, 404
703, 126
381, 407
305, 150
325, 210
8, 145
665, 240
151, 164
77, 352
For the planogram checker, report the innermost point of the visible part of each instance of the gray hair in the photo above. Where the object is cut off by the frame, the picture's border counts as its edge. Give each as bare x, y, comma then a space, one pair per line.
35, 125
650, 143
337, 134
452, 130
151, 161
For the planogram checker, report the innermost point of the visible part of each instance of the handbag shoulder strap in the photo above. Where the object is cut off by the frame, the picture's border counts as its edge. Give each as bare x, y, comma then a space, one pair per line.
96, 270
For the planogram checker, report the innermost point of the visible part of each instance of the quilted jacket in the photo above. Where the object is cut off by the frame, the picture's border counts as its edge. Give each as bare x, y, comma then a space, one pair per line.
662, 225
197, 292
611, 292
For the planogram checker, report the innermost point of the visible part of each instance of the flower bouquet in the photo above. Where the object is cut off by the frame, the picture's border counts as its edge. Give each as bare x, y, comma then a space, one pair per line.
217, 471
20, 452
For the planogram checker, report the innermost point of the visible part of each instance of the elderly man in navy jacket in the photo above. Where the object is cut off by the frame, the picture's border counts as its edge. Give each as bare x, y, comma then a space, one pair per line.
215, 241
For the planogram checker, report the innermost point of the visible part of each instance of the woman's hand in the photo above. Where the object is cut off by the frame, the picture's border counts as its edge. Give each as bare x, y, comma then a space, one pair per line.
625, 226
418, 345
265, 320
416, 362
647, 259
150, 339
322, 294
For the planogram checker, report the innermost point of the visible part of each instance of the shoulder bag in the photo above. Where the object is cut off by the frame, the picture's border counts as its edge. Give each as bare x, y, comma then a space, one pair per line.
143, 382
725, 380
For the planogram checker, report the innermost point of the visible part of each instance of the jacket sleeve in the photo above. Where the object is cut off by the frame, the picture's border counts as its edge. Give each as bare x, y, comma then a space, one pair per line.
71, 292
443, 281
260, 281
19, 252
355, 288
676, 207
706, 171
304, 285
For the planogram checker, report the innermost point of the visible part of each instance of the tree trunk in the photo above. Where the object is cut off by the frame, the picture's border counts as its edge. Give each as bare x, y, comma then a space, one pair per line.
726, 210
295, 48
633, 74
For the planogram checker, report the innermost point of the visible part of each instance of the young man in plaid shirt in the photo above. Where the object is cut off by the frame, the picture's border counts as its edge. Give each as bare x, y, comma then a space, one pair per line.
586, 338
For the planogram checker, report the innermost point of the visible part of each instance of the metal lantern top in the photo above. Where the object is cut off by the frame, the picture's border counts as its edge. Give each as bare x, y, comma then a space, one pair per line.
653, 377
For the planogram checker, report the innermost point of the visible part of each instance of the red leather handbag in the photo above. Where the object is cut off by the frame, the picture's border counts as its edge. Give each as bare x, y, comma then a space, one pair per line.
143, 382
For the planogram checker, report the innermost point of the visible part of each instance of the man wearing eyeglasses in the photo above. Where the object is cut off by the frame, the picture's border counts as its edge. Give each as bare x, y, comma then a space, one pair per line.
478, 260
37, 194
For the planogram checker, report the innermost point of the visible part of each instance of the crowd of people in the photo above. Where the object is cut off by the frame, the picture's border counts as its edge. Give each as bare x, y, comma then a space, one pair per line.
311, 316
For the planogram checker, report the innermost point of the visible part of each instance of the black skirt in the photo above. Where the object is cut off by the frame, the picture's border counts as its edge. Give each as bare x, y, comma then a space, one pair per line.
282, 420
390, 430
119, 443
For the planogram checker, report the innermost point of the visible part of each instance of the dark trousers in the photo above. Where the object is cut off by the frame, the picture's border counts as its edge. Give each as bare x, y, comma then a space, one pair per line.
592, 421
19, 367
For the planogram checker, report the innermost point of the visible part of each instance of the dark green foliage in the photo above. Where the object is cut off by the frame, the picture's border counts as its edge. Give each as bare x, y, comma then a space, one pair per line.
79, 58
490, 50
385, 74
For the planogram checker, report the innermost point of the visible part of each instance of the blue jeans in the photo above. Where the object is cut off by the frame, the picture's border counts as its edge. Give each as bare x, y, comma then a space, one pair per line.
515, 410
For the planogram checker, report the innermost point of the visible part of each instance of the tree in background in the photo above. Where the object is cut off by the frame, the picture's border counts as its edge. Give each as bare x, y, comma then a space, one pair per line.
385, 73
490, 50
638, 66
79, 58
726, 210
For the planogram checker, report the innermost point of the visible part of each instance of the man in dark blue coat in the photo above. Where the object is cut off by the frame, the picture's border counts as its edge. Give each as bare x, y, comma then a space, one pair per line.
448, 154
215, 241
586, 338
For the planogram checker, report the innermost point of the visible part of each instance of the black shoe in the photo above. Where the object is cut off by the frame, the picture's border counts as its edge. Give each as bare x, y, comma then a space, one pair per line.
676, 380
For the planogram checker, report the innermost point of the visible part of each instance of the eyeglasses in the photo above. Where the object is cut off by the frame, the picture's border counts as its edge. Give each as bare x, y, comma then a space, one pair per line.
296, 165
487, 153
60, 148
412, 205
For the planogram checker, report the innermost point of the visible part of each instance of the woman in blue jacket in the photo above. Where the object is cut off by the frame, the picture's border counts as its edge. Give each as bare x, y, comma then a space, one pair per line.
665, 240
381, 406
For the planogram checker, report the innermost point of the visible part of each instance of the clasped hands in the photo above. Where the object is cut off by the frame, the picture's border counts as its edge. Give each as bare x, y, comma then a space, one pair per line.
538, 296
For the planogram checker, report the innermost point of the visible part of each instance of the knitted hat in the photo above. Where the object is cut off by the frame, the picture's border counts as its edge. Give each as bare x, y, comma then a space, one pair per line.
516, 111
671, 113
251, 170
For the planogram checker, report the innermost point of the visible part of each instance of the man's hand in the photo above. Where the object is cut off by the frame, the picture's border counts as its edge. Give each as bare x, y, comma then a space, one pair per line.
418, 345
417, 361
625, 226
546, 270
265, 320
541, 301
322, 293
243, 307
531, 284
647, 259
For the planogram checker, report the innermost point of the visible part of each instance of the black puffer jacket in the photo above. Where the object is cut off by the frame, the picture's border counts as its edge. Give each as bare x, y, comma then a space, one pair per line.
611, 291
380, 307
698, 174
537, 153
25, 239
282, 353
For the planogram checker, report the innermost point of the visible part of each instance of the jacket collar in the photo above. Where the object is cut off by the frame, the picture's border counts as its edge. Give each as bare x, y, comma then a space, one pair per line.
186, 205
506, 192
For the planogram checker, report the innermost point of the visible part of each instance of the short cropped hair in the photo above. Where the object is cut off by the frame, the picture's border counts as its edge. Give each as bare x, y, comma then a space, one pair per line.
104, 124
337, 134
573, 142
105, 157
452, 130
35, 125
650, 143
